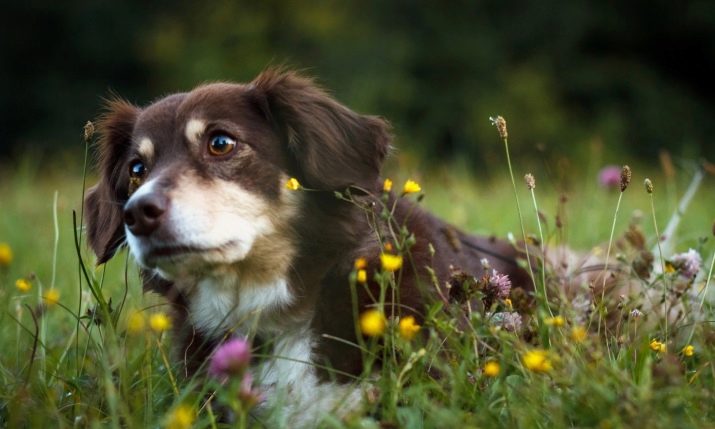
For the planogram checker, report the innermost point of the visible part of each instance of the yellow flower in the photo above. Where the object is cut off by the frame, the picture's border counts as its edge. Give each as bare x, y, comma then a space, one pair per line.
5, 254
372, 323
688, 351
293, 184
159, 322
362, 276
492, 368
557, 321
408, 327
509, 305
390, 262
579, 334
135, 322
23, 285
537, 360
657, 346
411, 187
52, 296
387, 185
669, 268
182, 417
360, 263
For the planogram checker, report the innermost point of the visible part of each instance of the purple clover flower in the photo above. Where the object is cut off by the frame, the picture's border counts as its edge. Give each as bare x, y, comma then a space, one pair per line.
509, 321
610, 176
687, 263
499, 285
230, 359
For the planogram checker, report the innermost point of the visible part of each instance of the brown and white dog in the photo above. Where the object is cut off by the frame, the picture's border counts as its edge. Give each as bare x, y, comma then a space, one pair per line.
195, 185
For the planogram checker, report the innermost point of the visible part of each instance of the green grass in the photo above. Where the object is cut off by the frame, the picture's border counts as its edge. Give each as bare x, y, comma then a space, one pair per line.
101, 375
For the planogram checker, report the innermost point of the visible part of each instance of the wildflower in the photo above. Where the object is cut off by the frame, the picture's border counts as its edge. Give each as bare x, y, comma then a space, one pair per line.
557, 321
500, 123
23, 285
390, 262
411, 187
648, 186
578, 334
499, 285
182, 417
135, 322
657, 346
5, 254
485, 264
492, 368
530, 181
687, 263
408, 328
636, 314
159, 322
669, 267
360, 263
246, 394
362, 276
372, 323
52, 296
509, 321
537, 360
230, 359
609, 176
508, 304
293, 184
625, 177
688, 351
387, 185
388, 247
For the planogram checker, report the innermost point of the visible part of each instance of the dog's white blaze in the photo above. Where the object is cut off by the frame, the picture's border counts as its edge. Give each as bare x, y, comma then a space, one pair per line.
135, 245
194, 129
146, 149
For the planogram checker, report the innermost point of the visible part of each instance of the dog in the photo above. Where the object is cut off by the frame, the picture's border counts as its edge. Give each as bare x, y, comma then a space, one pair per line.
194, 184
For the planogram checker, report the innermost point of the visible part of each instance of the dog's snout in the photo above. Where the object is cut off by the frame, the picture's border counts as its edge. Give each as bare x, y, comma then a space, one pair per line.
143, 215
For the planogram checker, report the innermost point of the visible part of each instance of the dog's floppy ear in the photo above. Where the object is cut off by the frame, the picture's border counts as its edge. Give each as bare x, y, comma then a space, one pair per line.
332, 146
105, 201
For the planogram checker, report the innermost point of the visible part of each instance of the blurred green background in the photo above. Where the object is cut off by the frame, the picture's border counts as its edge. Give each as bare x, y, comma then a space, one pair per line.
627, 78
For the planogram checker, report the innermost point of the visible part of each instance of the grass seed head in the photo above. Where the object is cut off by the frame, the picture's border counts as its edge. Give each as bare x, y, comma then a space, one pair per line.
625, 177
88, 131
500, 123
648, 186
530, 181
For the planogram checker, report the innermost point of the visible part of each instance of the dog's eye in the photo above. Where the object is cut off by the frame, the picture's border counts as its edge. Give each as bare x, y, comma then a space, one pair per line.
221, 144
137, 170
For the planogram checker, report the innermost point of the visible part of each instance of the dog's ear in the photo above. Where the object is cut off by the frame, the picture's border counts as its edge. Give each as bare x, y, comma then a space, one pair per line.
332, 146
105, 201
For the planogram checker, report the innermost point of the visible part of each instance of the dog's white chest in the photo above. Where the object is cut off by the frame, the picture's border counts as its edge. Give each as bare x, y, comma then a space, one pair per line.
220, 305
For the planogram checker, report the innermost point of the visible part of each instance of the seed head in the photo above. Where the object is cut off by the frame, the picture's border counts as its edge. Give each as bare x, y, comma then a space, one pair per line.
648, 186
500, 123
625, 177
530, 181
88, 131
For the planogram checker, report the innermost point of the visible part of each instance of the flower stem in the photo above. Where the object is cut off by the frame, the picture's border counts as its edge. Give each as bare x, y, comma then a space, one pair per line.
662, 266
543, 252
605, 266
518, 209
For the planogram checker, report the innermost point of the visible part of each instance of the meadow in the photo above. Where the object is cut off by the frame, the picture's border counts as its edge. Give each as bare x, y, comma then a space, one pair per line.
82, 346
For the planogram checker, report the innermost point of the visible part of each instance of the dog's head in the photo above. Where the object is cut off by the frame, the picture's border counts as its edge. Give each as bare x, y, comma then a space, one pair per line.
196, 181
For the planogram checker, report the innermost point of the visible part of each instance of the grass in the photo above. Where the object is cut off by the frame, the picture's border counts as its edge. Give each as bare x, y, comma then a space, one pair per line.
116, 373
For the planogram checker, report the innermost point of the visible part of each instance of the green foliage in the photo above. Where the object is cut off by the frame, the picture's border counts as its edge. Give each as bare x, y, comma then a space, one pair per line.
117, 374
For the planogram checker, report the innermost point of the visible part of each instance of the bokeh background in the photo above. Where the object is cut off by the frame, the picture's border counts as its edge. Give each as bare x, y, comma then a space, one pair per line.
627, 78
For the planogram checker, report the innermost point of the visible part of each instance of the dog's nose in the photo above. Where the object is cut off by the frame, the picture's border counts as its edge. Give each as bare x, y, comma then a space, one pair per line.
143, 215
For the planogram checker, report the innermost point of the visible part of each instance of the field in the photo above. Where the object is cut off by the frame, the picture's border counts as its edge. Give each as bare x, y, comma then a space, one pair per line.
70, 357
